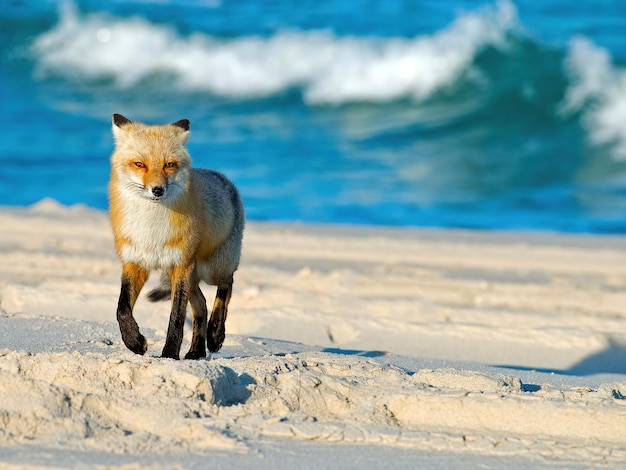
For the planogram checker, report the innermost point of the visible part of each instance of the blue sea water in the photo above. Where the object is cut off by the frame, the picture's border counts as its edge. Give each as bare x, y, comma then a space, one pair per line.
475, 114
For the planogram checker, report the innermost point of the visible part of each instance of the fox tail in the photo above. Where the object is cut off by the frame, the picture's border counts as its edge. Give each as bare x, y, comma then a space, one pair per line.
163, 291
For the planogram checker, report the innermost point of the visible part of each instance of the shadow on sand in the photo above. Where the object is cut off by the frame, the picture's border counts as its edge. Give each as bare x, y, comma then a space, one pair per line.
611, 360
355, 352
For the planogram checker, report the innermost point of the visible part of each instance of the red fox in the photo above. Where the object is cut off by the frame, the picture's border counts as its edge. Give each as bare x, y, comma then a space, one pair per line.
186, 222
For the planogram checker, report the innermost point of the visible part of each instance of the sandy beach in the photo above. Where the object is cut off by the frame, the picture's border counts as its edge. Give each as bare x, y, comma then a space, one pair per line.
346, 347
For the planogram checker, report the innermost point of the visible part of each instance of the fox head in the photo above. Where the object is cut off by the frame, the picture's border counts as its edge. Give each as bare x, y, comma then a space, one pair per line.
151, 161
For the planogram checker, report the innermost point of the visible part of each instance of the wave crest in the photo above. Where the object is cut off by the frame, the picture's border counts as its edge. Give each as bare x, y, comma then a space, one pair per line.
598, 90
327, 68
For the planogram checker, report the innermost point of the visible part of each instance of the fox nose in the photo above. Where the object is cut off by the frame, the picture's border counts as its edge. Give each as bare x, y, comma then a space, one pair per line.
158, 191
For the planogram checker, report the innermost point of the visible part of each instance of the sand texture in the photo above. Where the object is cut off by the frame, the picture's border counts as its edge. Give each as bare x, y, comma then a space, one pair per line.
346, 347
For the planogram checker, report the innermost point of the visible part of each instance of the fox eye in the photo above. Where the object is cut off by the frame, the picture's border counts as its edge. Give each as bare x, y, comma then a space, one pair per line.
169, 166
140, 165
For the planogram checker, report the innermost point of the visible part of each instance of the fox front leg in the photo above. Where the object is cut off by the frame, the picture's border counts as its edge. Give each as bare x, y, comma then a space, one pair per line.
200, 314
133, 279
182, 285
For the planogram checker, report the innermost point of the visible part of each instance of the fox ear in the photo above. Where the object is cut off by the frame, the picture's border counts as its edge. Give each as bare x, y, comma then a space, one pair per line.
183, 124
119, 121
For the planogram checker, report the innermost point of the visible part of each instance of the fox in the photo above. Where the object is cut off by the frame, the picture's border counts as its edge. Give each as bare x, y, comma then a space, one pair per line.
185, 222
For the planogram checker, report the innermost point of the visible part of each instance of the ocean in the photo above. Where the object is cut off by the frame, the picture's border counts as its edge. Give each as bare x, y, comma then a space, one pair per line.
466, 114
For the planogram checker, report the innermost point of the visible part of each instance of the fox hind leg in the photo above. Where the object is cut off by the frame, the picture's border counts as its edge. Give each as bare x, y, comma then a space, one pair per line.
216, 330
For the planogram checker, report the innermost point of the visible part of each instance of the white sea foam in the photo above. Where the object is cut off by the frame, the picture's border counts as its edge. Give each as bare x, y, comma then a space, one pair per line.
598, 89
328, 68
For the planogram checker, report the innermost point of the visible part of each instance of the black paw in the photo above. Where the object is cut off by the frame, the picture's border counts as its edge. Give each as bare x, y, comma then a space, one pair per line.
194, 353
215, 338
170, 352
136, 344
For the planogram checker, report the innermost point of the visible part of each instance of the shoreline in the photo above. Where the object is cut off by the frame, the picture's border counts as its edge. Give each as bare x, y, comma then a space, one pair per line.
48, 207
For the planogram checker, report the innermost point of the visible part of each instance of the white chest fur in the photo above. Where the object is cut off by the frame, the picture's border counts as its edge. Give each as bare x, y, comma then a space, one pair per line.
148, 228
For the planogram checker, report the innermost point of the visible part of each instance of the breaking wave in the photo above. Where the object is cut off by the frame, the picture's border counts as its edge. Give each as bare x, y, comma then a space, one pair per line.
327, 68
598, 90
